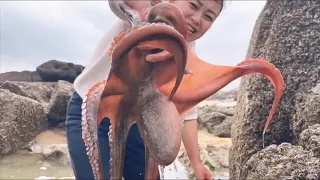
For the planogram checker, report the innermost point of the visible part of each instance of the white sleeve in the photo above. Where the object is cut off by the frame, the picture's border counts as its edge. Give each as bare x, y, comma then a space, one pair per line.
192, 114
107, 39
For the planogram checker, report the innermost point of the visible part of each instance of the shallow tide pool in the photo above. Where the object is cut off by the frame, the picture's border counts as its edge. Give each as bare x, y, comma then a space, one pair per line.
32, 166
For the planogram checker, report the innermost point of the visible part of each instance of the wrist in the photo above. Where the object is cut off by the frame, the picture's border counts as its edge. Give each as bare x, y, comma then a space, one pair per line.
195, 162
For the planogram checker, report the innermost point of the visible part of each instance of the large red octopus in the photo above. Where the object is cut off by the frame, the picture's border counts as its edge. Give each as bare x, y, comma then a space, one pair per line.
156, 95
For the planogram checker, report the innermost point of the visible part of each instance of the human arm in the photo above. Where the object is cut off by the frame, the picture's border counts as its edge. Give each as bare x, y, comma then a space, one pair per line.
190, 141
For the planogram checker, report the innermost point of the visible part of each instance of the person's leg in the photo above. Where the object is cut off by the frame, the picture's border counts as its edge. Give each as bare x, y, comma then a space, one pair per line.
104, 146
134, 163
77, 150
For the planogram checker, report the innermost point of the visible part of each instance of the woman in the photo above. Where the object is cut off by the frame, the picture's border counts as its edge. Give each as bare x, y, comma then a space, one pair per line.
200, 15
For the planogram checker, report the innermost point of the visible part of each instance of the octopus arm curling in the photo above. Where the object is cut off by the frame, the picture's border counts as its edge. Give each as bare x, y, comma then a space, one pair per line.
208, 78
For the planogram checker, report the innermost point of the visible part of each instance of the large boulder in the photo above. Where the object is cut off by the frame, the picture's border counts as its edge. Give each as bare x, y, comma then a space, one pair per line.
57, 108
284, 161
53, 70
28, 76
310, 139
217, 119
286, 34
308, 113
21, 119
39, 91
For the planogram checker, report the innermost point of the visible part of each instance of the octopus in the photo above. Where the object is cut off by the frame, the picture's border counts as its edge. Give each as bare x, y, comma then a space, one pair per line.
155, 95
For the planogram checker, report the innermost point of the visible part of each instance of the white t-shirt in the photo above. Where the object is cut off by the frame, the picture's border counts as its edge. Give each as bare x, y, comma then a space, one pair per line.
99, 66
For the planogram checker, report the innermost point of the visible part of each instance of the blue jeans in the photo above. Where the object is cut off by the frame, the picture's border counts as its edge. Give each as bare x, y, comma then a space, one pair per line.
134, 165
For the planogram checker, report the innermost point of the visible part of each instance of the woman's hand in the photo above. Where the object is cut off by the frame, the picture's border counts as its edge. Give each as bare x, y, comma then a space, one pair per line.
201, 171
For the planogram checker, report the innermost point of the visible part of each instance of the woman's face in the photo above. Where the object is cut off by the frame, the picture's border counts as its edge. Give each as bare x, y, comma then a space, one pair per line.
199, 14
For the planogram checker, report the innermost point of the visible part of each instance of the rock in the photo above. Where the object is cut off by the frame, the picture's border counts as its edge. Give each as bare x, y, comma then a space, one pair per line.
52, 144
220, 154
214, 158
216, 119
53, 152
21, 119
226, 110
54, 70
286, 34
28, 76
39, 91
225, 95
284, 161
59, 102
308, 113
310, 139
223, 129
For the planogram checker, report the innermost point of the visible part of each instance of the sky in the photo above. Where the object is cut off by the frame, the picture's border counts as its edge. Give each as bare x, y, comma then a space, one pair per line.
33, 32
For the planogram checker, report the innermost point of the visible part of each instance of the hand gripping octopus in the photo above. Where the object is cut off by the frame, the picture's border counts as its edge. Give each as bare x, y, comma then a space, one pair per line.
155, 95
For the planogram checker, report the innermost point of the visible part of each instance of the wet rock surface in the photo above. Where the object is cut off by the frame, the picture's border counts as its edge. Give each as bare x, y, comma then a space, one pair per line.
284, 161
29, 108
58, 103
21, 119
216, 119
39, 91
286, 34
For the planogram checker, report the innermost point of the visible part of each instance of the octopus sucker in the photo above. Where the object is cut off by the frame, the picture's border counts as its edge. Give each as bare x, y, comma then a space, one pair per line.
90, 128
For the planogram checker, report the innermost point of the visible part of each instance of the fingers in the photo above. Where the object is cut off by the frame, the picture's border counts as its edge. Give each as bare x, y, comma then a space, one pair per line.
161, 56
207, 175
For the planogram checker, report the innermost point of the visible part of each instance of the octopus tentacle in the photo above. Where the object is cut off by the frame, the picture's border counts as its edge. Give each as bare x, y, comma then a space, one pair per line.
90, 128
159, 116
151, 169
119, 134
111, 146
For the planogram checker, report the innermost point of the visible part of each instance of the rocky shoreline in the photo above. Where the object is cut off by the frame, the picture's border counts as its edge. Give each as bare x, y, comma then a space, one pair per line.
286, 34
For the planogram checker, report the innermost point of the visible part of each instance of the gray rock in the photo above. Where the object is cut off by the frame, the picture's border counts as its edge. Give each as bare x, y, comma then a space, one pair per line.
59, 102
53, 152
54, 70
284, 161
223, 129
216, 119
286, 34
308, 113
220, 155
310, 139
214, 158
28, 76
223, 95
21, 119
226, 110
39, 91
